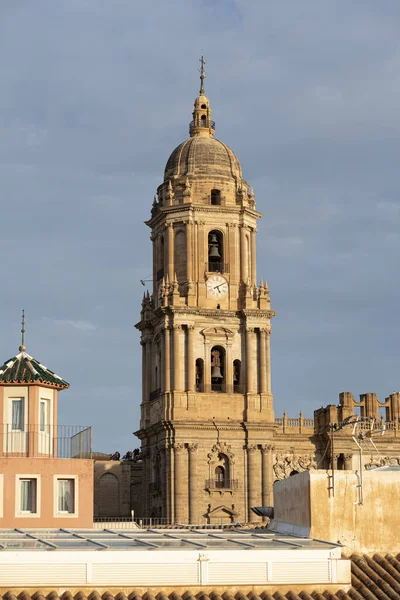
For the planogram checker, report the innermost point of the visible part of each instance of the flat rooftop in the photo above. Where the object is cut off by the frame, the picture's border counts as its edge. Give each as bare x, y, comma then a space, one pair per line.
172, 558
154, 539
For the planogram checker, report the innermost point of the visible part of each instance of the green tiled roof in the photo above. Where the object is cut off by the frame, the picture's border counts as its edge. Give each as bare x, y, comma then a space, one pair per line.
25, 369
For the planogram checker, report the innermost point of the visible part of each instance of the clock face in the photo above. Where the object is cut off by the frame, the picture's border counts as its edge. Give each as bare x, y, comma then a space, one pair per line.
217, 286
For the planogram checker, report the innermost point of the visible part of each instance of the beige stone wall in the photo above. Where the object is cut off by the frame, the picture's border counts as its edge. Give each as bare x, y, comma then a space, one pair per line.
305, 500
117, 488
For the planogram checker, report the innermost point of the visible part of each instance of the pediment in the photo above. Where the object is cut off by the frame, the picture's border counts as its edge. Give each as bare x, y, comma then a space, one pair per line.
222, 510
217, 333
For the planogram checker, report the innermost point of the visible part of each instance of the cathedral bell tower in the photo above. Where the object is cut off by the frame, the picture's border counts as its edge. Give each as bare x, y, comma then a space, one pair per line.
207, 406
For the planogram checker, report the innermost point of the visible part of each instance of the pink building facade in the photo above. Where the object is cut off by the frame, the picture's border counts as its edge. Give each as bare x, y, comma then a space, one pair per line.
46, 470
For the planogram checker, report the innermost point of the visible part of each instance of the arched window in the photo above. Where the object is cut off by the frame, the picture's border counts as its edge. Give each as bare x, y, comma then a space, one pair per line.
203, 106
199, 375
218, 369
236, 376
215, 197
203, 121
215, 252
219, 477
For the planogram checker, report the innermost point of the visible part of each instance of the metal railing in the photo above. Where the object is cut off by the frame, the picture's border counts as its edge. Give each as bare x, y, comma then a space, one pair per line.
55, 441
216, 266
129, 522
227, 484
193, 125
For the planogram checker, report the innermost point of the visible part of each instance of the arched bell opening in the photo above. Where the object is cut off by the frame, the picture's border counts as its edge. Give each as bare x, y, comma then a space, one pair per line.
216, 197
216, 252
218, 369
203, 121
237, 365
199, 375
160, 259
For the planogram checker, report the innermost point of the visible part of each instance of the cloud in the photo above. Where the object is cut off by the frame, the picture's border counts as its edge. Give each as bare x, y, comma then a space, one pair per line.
94, 96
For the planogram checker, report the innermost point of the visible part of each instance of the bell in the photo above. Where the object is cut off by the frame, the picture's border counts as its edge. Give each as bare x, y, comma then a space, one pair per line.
216, 373
213, 252
235, 377
213, 238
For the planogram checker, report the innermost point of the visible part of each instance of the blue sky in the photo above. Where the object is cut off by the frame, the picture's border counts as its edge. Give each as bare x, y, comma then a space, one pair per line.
95, 95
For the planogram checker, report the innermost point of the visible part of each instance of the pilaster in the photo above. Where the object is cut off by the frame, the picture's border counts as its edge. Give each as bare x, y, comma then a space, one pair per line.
193, 484
254, 480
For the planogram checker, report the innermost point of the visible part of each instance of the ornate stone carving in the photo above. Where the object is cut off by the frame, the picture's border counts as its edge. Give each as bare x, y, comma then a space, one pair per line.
284, 465
383, 461
252, 448
193, 447
179, 447
220, 448
267, 448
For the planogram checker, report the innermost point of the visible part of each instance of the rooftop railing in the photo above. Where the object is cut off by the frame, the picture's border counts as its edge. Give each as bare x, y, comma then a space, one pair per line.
41, 441
193, 125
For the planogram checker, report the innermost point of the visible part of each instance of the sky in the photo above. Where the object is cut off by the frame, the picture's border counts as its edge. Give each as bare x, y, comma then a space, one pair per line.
95, 95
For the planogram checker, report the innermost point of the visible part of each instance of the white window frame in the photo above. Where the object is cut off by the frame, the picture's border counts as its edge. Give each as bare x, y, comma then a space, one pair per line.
22, 400
22, 513
65, 515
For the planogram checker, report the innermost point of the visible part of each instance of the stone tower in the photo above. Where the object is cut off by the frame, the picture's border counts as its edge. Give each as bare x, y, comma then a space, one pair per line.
207, 406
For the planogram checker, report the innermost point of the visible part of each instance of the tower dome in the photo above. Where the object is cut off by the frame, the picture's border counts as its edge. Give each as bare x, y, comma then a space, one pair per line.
201, 154
206, 156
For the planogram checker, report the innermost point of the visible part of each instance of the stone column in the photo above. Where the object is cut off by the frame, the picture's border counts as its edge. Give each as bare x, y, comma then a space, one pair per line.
144, 371
229, 369
207, 367
189, 251
249, 361
177, 365
193, 494
170, 252
267, 476
167, 360
263, 361
253, 258
149, 368
268, 352
243, 253
181, 483
348, 462
253, 480
190, 360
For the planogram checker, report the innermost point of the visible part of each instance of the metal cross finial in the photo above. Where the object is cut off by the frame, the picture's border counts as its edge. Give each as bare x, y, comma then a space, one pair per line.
202, 73
22, 346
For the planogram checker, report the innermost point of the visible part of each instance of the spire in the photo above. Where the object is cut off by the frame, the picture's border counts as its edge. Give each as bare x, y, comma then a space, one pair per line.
202, 74
202, 123
22, 347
